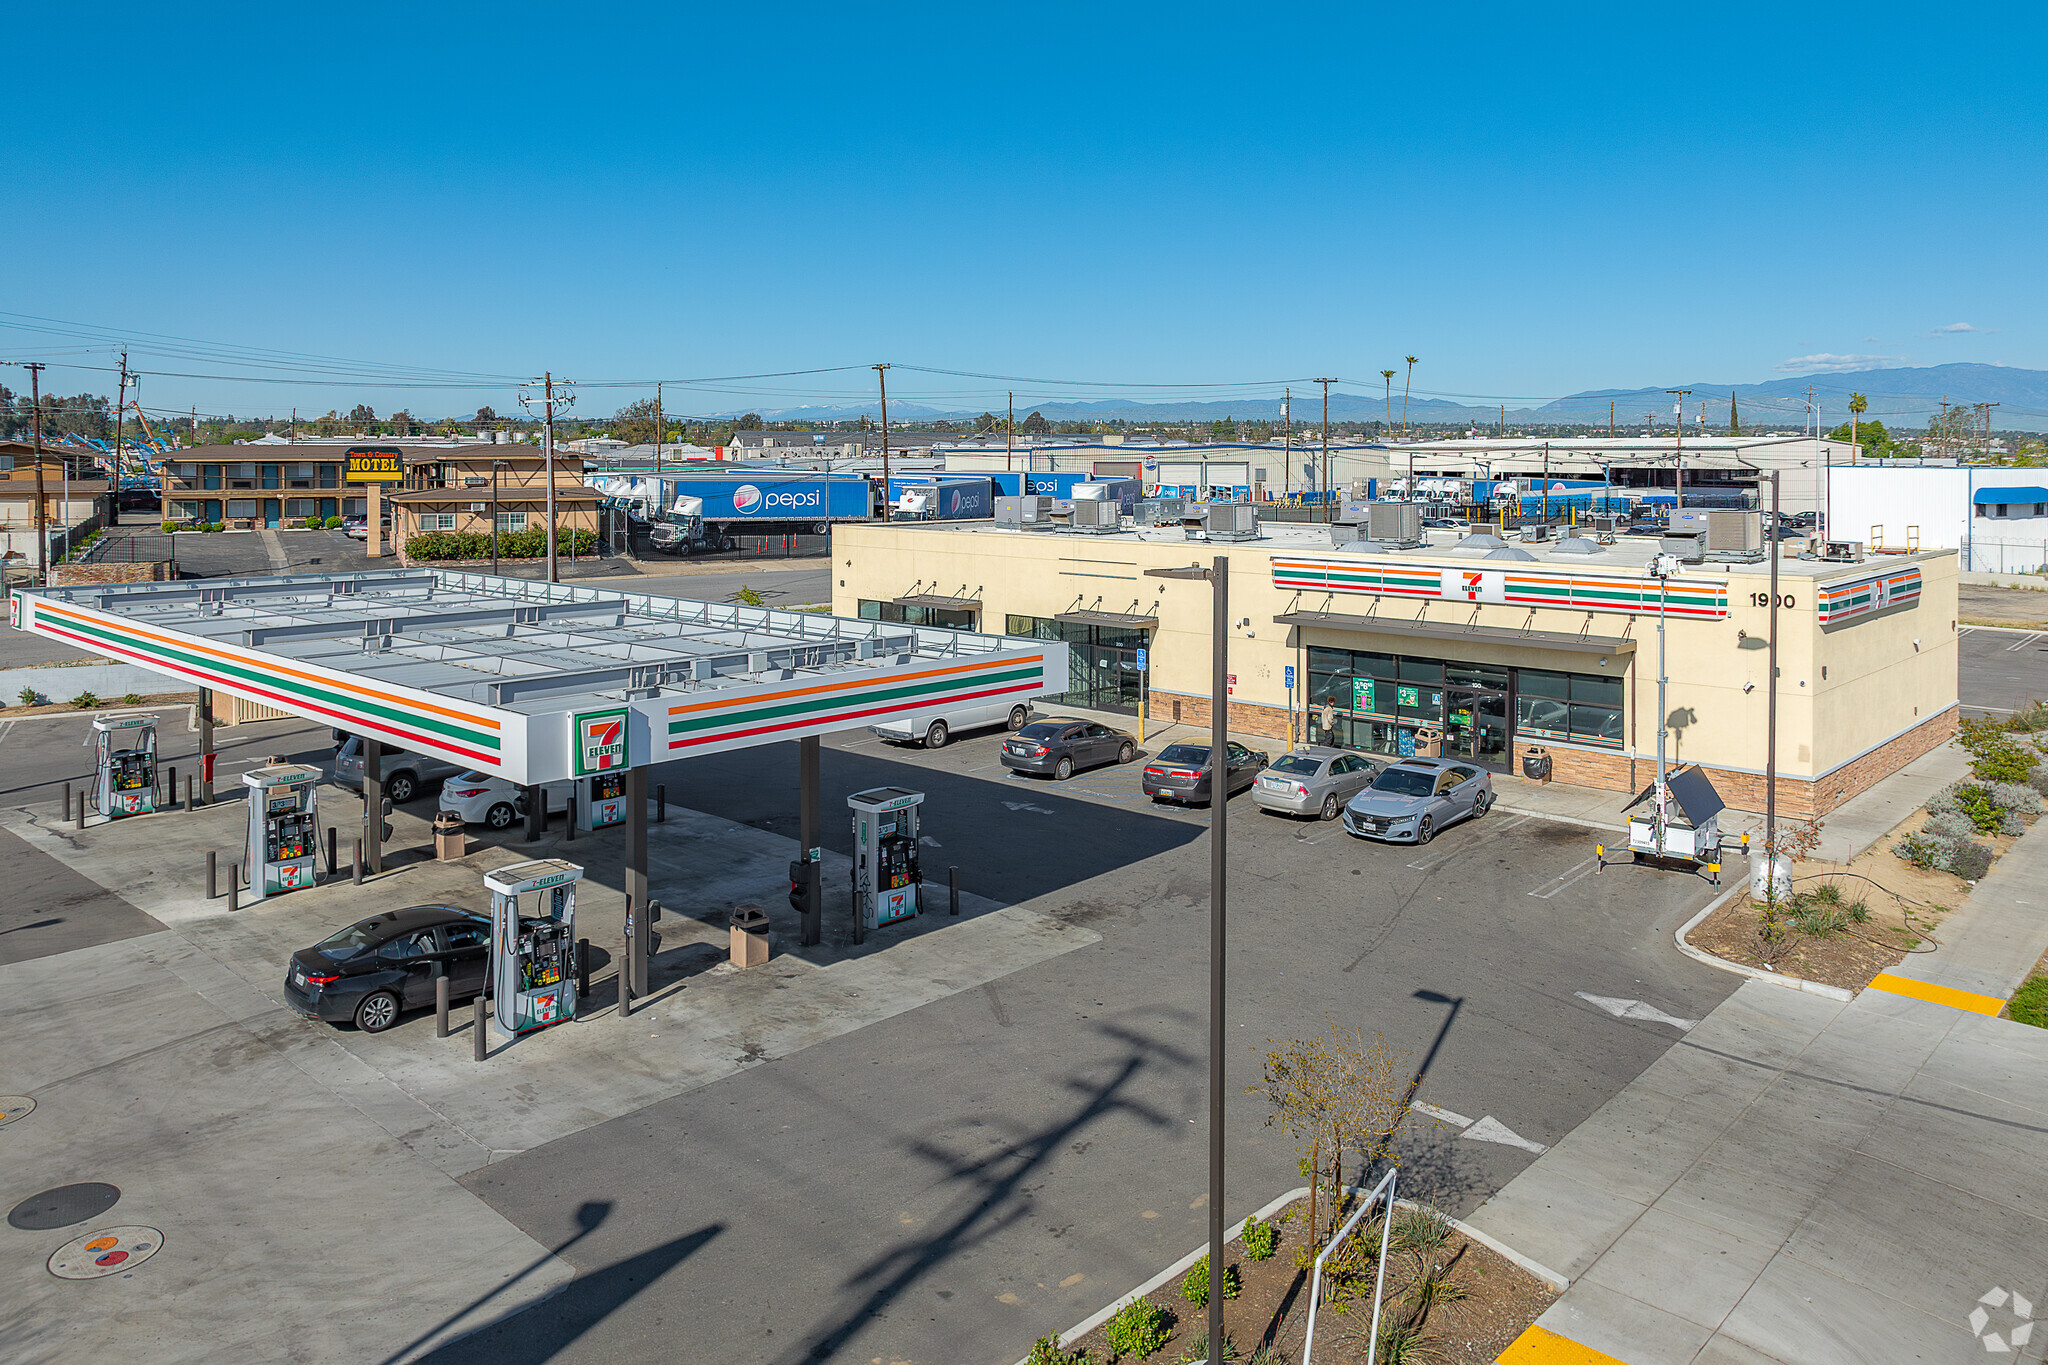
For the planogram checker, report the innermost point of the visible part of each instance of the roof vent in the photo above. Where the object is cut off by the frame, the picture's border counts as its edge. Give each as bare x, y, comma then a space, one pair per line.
1510, 552
1479, 542
1576, 545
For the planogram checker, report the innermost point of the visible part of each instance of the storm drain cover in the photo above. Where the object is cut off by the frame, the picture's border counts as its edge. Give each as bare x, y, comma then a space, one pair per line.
109, 1251
14, 1107
63, 1206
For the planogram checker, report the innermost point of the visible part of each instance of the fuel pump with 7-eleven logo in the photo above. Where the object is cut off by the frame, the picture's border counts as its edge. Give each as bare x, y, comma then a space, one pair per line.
601, 766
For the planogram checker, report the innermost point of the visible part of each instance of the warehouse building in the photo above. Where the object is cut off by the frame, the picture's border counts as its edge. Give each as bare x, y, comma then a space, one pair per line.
1460, 646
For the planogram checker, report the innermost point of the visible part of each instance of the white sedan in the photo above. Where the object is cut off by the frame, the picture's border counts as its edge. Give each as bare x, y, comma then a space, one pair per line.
493, 801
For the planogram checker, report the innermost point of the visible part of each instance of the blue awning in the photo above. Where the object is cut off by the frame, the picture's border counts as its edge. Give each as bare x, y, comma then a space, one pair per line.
1994, 496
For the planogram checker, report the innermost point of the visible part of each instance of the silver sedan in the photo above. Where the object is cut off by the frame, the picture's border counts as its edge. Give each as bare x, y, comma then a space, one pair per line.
1413, 799
1313, 781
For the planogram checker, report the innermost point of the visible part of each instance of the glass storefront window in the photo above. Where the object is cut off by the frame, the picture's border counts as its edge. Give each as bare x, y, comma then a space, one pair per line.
1374, 700
945, 617
1102, 661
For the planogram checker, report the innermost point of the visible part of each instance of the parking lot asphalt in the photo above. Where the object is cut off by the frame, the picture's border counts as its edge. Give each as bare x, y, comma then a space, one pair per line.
949, 1183
2002, 670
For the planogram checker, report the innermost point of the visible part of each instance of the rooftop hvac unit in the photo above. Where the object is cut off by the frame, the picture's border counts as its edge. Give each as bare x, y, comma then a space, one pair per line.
1686, 547
1395, 522
1605, 528
1536, 531
1032, 512
1233, 521
1842, 551
1730, 532
1096, 516
1161, 511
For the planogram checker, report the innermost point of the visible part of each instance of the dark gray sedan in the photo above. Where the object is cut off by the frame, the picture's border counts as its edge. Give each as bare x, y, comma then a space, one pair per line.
1412, 799
1181, 772
1313, 781
1064, 745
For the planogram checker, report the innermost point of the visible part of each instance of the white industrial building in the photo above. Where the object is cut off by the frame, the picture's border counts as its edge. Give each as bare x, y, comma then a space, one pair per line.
1995, 516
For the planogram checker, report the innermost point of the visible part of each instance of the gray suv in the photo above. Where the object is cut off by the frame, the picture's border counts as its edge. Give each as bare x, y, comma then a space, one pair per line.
405, 774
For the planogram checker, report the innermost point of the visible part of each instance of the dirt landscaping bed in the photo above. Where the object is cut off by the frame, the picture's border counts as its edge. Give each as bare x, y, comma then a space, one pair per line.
165, 699
1487, 1303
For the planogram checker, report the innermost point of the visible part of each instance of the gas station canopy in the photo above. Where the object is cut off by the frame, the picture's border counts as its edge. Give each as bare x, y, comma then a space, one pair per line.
535, 681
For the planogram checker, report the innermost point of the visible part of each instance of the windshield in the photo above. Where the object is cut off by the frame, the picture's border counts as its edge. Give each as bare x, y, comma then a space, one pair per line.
1405, 782
472, 778
1299, 763
1045, 729
675, 518
354, 941
1190, 755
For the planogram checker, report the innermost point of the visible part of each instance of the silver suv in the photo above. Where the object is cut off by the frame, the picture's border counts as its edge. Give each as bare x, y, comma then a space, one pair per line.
405, 774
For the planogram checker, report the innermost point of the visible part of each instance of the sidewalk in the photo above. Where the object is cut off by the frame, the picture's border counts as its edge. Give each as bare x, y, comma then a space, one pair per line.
1808, 1182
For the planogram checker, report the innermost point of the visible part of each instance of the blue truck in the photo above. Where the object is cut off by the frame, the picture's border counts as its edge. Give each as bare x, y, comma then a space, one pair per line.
705, 511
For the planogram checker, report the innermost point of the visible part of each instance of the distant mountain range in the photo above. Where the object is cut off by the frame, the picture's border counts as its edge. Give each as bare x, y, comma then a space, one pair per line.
1898, 397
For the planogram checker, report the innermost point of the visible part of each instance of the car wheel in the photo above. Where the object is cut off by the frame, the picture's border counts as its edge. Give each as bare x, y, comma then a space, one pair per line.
821, 528
501, 815
1425, 831
1063, 769
1481, 804
1128, 752
1018, 715
401, 788
377, 1012
935, 738
1331, 806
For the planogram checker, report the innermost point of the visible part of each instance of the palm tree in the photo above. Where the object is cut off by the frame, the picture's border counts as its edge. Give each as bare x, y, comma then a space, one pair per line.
1858, 405
1406, 385
1388, 375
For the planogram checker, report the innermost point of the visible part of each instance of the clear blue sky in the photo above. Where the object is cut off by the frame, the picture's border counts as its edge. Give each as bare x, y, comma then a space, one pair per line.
1533, 199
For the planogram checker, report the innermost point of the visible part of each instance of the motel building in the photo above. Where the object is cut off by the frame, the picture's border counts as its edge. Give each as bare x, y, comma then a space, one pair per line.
1464, 647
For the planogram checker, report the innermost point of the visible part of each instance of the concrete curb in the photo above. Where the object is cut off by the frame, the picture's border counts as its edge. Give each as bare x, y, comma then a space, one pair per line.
1579, 820
1236, 1230
1753, 973
190, 708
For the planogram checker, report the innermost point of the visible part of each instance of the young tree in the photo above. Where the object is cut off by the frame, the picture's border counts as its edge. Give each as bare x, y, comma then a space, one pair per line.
1734, 419
1332, 1094
635, 422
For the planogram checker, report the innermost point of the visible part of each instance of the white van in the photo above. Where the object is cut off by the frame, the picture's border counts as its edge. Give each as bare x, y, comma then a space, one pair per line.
934, 728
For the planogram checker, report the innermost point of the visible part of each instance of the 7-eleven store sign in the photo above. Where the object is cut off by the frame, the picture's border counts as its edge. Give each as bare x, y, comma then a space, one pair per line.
1475, 585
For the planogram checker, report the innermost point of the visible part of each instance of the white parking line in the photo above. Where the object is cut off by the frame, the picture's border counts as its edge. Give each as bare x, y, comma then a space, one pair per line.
1566, 878
2024, 642
1432, 864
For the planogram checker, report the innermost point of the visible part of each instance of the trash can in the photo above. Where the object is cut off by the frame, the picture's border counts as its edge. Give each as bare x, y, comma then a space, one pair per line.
749, 936
451, 840
1536, 764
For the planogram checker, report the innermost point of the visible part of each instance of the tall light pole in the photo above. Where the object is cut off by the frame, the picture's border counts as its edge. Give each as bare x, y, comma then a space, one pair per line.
1678, 435
1218, 576
1326, 443
1771, 713
882, 375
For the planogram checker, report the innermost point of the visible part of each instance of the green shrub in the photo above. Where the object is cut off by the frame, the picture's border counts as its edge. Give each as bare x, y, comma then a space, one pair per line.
85, 701
28, 696
1950, 824
313, 523
170, 526
1971, 861
1046, 1351
1138, 1328
1259, 1239
1194, 1286
334, 523
132, 699
1996, 756
2030, 1002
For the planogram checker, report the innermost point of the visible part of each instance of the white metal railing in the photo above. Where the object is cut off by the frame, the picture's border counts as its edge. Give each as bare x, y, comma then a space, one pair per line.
1382, 1194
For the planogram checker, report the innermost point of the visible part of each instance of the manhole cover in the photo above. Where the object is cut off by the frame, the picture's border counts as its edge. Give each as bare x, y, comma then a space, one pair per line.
14, 1107
63, 1206
109, 1251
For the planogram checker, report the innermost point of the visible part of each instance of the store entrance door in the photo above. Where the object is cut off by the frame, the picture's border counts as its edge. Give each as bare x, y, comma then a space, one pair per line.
1110, 678
1476, 727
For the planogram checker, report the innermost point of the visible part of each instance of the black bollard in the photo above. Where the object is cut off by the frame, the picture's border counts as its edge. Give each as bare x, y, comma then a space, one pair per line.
172, 787
477, 1041
441, 1005
189, 805
234, 887
212, 886
359, 862
333, 840
660, 803
582, 970
953, 890
67, 800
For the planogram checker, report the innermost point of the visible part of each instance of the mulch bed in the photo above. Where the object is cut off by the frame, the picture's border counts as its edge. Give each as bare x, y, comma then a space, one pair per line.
1272, 1309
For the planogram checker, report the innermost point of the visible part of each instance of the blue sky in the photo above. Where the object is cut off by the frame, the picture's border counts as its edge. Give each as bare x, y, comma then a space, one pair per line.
1534, 200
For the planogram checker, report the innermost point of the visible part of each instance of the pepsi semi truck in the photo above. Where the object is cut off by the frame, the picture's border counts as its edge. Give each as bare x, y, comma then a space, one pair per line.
706, 511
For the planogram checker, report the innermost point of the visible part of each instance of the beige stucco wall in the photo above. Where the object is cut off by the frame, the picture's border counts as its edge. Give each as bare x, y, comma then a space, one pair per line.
1877, 685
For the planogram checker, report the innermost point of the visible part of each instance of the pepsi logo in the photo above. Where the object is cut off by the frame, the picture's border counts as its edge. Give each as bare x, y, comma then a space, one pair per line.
746, 498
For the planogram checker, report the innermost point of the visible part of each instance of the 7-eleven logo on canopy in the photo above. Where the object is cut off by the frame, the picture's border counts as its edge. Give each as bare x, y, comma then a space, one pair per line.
1474, 585
600, 741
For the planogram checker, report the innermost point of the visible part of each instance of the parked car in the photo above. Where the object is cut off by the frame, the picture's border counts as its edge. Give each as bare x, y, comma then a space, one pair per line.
1410, 801
405, 774
1181, 772
1314, 781
494, 801
358, 527
373, 971
1064, 745
935, 728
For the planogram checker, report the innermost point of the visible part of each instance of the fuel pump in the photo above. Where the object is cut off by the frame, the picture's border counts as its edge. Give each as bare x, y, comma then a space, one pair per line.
604, 800
533, 943
124, 772
284, 839
885, 873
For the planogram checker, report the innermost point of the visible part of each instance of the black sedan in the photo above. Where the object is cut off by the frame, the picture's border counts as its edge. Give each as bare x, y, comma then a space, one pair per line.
1181, 773
1064, 745
376, 969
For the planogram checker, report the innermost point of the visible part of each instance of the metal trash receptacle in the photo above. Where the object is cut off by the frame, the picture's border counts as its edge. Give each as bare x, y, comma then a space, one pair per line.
1536, 764
749, 936
451, 838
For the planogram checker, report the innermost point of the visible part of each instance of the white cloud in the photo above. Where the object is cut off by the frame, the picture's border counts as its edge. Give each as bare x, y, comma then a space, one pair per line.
1955, 327
1870, 338
1827, 363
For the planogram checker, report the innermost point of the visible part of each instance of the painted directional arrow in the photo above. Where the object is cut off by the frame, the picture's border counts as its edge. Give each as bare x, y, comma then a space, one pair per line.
1636, 1009
1488, 1129
1026, 805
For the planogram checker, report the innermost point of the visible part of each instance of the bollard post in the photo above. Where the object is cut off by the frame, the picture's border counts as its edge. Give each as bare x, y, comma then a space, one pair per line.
952, 890
189, 806
476, 1029
212, 886
660, 803
81, 810
67, 801
234, 887
359, 862
333, 839
172, 786
625, 973
582, 970
441, 1004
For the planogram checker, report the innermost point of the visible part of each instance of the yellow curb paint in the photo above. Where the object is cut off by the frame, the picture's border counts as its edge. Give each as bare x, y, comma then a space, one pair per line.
1537, 1346
1937, 995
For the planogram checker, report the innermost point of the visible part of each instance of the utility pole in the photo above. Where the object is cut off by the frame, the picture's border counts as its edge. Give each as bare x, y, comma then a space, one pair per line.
35, 401
1610, 419
1678, 429
1326, 444
1010, 435
657, 436
120, 414
549, 398
1286, 438
882, 376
